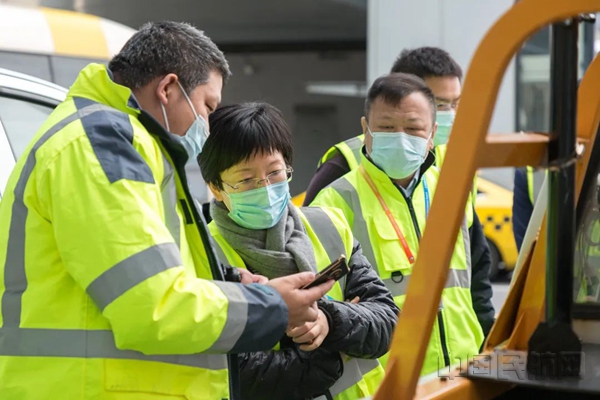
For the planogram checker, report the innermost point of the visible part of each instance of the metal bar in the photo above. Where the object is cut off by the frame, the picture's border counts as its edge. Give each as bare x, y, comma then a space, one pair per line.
561, 178
514, 150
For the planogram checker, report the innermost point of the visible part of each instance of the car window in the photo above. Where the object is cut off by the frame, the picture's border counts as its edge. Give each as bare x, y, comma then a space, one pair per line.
21, 120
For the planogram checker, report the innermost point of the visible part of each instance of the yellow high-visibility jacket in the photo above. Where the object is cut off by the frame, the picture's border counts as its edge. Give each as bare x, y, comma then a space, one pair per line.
106, 288
457, 334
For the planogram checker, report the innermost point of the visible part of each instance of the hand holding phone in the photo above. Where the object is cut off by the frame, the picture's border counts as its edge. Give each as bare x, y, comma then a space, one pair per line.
334, 271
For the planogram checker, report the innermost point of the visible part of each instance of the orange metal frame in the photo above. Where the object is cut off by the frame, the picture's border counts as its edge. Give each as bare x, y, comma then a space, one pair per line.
470, 149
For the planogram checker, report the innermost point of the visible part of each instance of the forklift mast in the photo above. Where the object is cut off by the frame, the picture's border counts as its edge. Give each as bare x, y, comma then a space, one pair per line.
546, 339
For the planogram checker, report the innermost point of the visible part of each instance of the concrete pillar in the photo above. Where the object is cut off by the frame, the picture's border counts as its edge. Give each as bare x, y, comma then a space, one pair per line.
454, 25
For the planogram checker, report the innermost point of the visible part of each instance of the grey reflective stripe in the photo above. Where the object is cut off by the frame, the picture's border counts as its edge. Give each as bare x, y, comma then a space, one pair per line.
237, 310
355, 144
169, 196
15, 280
237, 317
359, 227
466, 242
28, 342
457, 278
121, 277
327, 234
354, 369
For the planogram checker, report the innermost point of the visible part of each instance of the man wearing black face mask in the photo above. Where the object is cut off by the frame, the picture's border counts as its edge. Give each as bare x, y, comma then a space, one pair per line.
110, 286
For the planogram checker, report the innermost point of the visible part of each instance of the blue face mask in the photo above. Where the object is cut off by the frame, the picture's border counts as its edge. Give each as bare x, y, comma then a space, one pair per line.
445, 120
398, 154
260, 208
196, 135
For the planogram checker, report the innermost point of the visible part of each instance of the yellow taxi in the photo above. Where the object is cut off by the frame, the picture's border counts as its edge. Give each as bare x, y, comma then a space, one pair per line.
494, 209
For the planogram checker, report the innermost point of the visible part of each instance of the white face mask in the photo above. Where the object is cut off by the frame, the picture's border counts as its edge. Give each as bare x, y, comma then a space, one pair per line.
398, 154
445, 120
196, 135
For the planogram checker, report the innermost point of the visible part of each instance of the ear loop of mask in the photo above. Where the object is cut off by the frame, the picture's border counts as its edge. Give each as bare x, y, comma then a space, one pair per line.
196, 115
162, 107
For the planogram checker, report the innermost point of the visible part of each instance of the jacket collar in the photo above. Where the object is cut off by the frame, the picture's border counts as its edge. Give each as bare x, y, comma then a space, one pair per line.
95, 82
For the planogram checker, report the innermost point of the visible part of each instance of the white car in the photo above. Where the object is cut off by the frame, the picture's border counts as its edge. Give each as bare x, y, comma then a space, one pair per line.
25, 103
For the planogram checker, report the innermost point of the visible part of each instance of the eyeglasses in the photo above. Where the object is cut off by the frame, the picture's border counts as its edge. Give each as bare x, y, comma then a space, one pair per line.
252, 183
447, 106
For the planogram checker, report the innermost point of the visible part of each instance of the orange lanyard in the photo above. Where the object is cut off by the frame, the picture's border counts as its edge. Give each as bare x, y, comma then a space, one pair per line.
401, 238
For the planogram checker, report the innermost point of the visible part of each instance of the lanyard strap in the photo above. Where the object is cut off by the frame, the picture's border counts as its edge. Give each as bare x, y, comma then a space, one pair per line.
426, 193
401, 238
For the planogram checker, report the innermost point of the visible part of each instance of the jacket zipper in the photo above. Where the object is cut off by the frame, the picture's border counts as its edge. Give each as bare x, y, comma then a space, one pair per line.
441, 324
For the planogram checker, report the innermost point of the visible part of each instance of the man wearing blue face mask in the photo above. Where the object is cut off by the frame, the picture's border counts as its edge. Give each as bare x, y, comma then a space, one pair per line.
442, 74
386, 200
110, 287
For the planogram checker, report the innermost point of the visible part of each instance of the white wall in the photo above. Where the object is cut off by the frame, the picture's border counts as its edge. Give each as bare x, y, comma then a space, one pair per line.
454, 25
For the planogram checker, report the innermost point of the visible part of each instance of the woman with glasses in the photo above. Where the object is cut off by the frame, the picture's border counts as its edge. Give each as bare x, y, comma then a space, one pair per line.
246, 162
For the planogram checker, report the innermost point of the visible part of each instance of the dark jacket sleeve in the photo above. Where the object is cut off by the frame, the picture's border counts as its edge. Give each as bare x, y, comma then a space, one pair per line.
362, 330
522, 207
327, 173
289, 373
481, 287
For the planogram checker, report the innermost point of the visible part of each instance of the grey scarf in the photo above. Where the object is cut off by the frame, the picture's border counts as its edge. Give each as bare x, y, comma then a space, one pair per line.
282, 250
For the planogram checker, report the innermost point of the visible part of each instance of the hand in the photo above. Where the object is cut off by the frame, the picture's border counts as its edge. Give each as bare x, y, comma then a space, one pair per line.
311, 334
354, 300
248, 277
302, 306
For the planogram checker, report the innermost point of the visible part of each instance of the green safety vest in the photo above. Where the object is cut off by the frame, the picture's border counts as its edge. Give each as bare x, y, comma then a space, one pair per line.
457, 333
330, 236
351, 150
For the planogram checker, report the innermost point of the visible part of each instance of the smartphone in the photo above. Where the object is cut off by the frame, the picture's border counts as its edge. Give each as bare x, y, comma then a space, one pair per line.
335, 271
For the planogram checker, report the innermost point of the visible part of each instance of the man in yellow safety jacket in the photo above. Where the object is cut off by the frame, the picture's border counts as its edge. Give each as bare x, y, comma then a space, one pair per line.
386, 201
109, 287
443, 75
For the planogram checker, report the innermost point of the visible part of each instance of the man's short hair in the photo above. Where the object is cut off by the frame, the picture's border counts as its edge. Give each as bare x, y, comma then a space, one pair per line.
393, 88
161, 48
426, 62
239, 132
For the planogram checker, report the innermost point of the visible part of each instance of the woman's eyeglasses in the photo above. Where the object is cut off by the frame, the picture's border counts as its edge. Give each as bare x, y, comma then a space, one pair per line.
252, 183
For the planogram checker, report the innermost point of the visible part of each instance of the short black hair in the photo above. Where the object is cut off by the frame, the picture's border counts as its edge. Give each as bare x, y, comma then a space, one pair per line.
161, 48
240, 131
426, 62
393, 88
